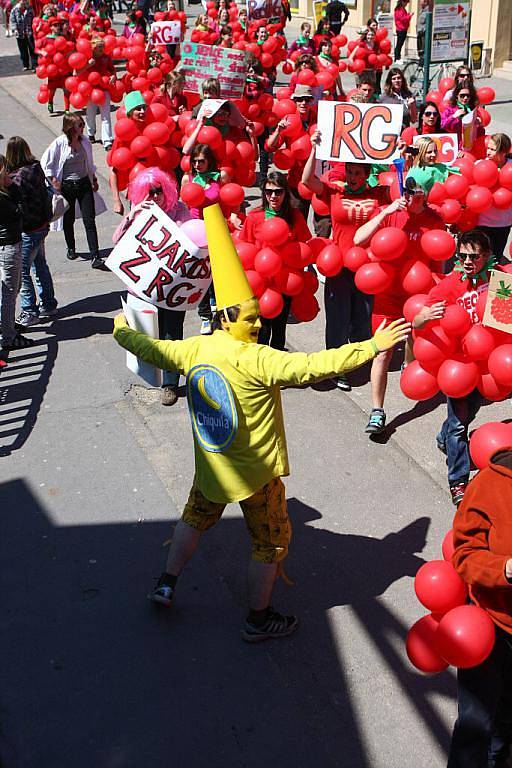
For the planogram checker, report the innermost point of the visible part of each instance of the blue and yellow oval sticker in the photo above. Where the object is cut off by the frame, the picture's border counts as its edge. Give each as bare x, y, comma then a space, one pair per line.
212, 408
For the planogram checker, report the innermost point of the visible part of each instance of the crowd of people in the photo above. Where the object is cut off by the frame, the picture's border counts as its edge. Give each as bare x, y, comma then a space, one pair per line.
192, 154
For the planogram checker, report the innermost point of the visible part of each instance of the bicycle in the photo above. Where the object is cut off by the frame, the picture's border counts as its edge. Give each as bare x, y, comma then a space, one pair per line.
414, 73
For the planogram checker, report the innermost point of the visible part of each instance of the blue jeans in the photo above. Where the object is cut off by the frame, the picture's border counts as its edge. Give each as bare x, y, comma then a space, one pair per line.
34, 257
347, 311
483, 731
10, 274
170, 325
453, 436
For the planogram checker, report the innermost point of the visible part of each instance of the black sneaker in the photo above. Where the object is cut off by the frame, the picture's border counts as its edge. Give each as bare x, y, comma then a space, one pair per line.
457, 491
275, 626
71, 254
344, 384
377, 422
98, 263
162, 593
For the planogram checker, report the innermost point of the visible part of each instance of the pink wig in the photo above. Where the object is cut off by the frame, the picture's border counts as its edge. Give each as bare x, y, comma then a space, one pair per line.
138, 188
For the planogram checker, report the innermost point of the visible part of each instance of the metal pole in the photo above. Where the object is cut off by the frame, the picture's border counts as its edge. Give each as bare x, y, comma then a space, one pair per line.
427, 54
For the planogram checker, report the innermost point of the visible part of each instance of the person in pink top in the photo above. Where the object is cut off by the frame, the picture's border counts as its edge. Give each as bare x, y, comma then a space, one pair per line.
402, 22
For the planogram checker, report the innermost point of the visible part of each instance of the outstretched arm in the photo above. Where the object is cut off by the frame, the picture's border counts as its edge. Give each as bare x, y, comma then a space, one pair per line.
167, 355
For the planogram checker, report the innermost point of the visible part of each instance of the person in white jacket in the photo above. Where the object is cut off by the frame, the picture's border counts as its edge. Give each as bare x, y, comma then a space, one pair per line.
68, 164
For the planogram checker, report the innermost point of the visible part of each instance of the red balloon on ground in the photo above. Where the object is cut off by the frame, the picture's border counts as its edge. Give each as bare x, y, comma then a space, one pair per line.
488, 439
439, 587
420, 646
465, 636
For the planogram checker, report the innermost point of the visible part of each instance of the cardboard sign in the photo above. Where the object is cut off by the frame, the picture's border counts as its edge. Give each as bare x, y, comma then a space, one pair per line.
469, 129
199, 62
159, 263
498, 307
264, 9
359, 133
143, 317
447, 146
166, 33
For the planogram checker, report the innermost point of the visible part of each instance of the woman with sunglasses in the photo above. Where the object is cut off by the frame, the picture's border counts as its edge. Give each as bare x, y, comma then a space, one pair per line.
275, 202
425, 168
464, 99
204, 171
429, 118
497, 222
463, 76
155, 186
223, 119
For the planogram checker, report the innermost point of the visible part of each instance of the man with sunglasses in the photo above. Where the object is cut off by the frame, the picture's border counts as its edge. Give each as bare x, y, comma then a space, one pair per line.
414, 216
463, 286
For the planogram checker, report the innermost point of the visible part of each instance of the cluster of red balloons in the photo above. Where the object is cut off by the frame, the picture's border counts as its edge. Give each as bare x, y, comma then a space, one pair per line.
453, 632
487, 440
270, 54
364, 58
278, 269
456, 356
154, 144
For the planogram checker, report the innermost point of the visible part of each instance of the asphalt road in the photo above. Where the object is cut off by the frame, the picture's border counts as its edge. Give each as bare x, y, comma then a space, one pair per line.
93, 472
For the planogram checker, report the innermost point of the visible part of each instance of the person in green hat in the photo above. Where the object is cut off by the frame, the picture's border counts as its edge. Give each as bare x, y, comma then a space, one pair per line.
135, 108
425, 169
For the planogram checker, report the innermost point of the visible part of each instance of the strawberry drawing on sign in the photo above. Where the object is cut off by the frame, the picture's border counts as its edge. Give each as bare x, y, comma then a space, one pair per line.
501, 305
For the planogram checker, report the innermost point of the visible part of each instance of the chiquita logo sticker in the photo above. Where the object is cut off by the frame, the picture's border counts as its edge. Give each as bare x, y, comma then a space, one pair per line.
212, 408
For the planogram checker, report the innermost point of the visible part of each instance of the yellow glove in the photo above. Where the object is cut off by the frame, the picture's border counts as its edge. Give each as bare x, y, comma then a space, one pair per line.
386, 337
120, 321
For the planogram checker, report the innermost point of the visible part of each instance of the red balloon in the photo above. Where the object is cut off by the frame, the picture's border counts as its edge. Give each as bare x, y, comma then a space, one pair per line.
416, 277
490, 389
502, 198
437, 194
192, 194
457, 377
450, 211
329, 261
355, 257
289, 282
210, 135
420, 646
271, 303
479, 199
465, 636
439, 587
455, 321
157, 133
77, 60
480, 305
304, 306
159, 114
488, 439
432, 346
437, 244
456, 186
506, 176
485, 173
256, 281
125, 129
478, 343
486, 95
413, 305
446, 84
141, 146
389, 243
268, 262
247, 253
500, 364
294, 127
447, 546
232, 195
274, 231
301, 147
283, 159
418, 384
122, 158
374, 277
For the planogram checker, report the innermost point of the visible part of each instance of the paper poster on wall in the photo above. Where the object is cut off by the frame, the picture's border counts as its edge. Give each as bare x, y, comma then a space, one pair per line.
359, 133
229, 66
166, 33
447, 146
450, 31
159, 263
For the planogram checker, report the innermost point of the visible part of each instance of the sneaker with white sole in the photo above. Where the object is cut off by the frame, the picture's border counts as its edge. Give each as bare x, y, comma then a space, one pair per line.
344, 384
275, 626
44, 313
162, 594
377, 422
26, 319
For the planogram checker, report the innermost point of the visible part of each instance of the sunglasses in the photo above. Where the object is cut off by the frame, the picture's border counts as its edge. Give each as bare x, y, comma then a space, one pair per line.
408, 193
276, 192
464, 95
155, 191
304, 99
430, 114
471, 256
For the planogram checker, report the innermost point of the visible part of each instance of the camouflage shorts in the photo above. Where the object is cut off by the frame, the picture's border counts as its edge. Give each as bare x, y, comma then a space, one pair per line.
265, 513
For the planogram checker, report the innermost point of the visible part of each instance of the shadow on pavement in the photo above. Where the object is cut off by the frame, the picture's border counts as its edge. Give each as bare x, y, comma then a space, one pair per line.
98, 304
99, 676
23, 386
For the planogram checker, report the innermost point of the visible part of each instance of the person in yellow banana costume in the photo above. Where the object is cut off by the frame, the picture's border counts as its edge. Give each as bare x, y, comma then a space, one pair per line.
234, 398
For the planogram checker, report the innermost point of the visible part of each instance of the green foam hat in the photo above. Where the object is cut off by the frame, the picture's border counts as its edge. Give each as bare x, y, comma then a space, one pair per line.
133, 100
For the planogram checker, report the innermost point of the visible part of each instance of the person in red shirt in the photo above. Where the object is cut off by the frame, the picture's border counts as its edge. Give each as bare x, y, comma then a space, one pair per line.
352, 203
411, 214
482, 537
276, 201
103, 65
170, 94
463, 286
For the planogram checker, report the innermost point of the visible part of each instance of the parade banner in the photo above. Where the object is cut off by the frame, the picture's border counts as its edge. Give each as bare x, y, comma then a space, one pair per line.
450, 31
166, 33
447, 146
159, 263
198, 62
359, 133
264, 9
142, 317
498, 307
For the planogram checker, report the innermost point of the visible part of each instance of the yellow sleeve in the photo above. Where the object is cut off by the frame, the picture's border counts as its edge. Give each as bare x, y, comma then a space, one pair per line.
167, 355
273, 367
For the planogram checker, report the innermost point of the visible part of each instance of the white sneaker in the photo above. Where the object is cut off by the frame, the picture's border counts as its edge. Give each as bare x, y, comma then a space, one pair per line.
26, 319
